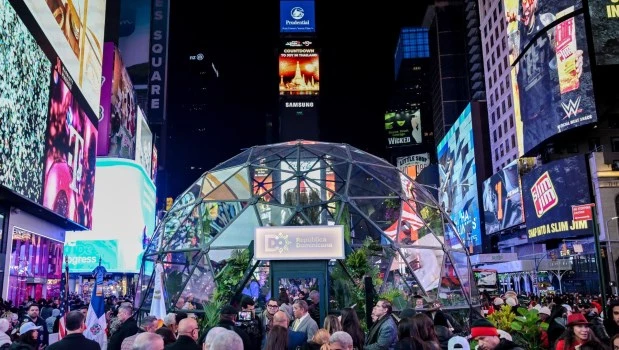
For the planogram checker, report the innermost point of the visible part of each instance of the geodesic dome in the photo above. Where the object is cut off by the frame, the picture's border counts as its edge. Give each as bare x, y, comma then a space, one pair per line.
310, 183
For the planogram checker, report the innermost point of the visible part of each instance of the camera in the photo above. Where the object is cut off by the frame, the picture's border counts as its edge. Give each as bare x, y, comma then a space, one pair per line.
249, 324
244, 316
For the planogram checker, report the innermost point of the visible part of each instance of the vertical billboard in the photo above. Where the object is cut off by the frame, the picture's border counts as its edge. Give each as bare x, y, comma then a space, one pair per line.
403, 128
458, 180
123, 118
144, 143
604, 16
105, 110
123, 215
298, 118
75, 31
24, 94
157, 78
413, 165
70, 155
502, 198
550, 191
134, 38
299, 72
297, 16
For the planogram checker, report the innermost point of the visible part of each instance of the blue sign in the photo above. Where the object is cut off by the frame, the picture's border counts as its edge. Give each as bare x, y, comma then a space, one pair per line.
297, 16
84, 255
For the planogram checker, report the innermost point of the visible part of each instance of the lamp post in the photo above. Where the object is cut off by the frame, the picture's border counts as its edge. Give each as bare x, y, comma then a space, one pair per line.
613, 277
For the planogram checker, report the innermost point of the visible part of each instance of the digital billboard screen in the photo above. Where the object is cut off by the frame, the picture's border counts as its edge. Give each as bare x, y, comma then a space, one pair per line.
75, 31
298, 117
134, 38
550, 191
298, 68
123, 117
403, 127
502, 198
554, 85
70, 156
144, 143
604, 15
25, 74
526, 18
297, 16
458, 180
124, 219
413, 165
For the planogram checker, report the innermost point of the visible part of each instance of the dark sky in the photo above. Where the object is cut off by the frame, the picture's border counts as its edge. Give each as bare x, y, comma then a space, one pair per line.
357, 44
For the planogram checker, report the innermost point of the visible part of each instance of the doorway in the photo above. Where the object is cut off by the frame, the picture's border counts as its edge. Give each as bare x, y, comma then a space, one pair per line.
303, 276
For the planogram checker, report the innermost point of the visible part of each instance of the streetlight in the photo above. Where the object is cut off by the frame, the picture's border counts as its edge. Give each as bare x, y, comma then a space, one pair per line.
610, 250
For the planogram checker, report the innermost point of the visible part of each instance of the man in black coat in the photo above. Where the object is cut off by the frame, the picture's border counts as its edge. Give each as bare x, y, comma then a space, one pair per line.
127, 328
33, 316
74, 339
187, 335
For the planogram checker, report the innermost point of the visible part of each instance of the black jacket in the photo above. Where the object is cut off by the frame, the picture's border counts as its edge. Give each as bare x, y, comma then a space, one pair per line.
126, 329
73, 342
505, 344
183, 343
247, 343
43, 333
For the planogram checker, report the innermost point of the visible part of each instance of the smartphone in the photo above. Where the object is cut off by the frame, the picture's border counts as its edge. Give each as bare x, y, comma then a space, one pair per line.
244, 315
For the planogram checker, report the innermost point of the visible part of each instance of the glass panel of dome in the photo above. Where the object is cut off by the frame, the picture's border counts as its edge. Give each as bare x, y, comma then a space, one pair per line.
235, 187
177, 276
262, 180
218, 258
406, 229
362, 184
389, 177
153, 246
363, 157
239, 231
273, 151
461, 263
188, 198
335, 151
425, 264
235, 161
361, 228
258, 285
382, 211
433, 219
273, 215
200, 286
218, 215
450, 292
212, 179
452, 239
185, 232
402, 268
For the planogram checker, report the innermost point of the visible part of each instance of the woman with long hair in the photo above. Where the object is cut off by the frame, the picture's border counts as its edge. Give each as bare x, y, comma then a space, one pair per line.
28, 335
351, 325
425, 328
277, 339
578, 334
332, 324
321, 337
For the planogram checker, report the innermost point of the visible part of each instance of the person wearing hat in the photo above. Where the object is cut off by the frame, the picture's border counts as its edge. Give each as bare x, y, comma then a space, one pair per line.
487, 337
4, 328
227, 320
578, 333
28, 337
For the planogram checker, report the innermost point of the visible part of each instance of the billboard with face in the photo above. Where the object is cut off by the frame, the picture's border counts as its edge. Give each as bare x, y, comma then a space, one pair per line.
550, 191
403, 127
554, 86
502, 199
458, 180
299, 72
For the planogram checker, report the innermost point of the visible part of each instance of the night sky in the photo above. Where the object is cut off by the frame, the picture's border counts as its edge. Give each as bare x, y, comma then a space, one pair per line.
357, 45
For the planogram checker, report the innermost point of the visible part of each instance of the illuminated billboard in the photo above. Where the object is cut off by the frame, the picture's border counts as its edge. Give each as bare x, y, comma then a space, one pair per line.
70, 155
297, 16
134, 38
525, 19
298, 68
413, 165
75, 31
550, 191
298, 118
458, 180
502, 198
554, 86
144, 143
403, 127
123, 117
24, 90
604, 16
124, 216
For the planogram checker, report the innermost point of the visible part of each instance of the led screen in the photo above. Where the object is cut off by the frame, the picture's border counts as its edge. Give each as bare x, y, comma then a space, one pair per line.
413, 165
298, 68
526, 18
134, 38
70, 155
105, 111
75, 30
144, 144
554, 83
403, 127
123, 112
550, 191
502, 199
24, 94
458, 178
124, 218
604, 16
297, 16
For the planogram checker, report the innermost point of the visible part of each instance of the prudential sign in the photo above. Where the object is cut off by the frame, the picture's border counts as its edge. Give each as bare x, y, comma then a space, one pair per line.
297, 16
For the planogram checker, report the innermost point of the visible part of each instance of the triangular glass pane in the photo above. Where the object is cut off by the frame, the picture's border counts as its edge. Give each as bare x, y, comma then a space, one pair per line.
407, 229
361, 228
201, 285
239, 232
238, 160
155, 241
384, 212
426, 265
298, 219
335, 151
450, 291
263, 182
389, 177
212, 180
177, 273
271, 163
236, 187
272, 151
218, 215
433, 219
181, 232
363, 157
273, 215
188, 198
461, 264
401, 268
362, 184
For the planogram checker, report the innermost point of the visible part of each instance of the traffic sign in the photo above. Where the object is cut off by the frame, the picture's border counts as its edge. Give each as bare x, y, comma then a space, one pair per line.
582, 212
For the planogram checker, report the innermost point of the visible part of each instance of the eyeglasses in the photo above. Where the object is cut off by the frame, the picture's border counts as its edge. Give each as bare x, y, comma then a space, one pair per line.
272, 305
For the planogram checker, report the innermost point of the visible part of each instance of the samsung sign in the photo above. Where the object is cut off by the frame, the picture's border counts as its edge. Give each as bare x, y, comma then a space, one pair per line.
299, 243
297, 16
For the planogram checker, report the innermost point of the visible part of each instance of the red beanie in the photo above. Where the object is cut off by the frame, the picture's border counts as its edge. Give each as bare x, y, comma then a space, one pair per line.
483, 328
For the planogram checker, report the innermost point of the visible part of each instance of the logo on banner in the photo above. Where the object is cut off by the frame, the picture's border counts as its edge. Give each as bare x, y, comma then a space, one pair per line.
95, 329
297, 13
299, 104
571, 108
276, 243
298, 43
544, 195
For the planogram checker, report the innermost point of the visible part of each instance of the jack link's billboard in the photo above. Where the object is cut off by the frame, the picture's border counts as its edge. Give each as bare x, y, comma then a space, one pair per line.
297, 16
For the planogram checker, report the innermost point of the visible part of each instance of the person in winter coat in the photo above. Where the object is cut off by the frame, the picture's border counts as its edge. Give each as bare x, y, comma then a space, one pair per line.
487, 337
578, 334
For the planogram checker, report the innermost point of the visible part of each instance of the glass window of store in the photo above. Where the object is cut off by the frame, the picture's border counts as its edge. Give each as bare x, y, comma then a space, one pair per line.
36, 267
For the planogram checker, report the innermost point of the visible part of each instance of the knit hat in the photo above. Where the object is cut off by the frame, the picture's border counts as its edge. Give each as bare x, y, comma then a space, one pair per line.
483, 328
498, 301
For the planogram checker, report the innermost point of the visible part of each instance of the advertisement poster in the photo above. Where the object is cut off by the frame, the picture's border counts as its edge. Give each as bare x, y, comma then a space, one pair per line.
105, 110
153, 174
458, 178
124, 113
550, 191
297, 16
413, 165
554, 83
604, 16
298, 68
502, 197
144, 144
403, 128
134, 38
23, 106
70, 156
84, 255
75, 30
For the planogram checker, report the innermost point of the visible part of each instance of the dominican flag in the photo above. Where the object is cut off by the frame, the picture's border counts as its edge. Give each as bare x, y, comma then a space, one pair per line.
95, 319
